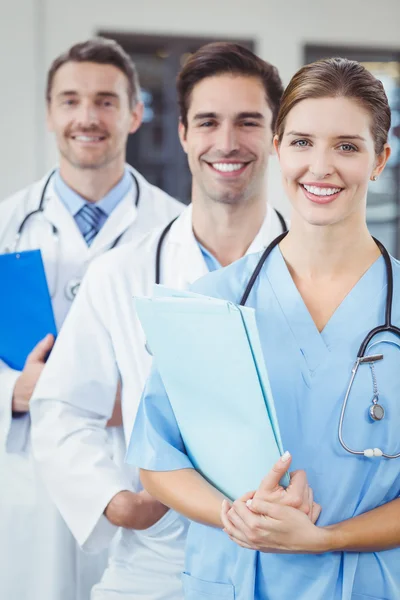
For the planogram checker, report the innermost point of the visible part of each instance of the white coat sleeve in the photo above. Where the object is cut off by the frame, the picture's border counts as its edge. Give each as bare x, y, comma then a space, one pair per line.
14, 431
72, 403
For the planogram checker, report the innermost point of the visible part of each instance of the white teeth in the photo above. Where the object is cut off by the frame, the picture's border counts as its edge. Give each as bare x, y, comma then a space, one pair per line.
86, 138
321, 191
227, 167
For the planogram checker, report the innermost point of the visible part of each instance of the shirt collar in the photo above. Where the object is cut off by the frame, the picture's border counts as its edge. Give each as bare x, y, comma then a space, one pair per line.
74, 202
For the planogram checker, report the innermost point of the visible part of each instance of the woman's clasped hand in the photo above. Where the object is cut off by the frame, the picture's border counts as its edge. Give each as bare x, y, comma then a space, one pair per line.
274, 518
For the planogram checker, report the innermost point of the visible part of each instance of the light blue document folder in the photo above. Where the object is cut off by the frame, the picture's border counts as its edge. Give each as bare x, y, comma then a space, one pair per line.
26, 313
209, 356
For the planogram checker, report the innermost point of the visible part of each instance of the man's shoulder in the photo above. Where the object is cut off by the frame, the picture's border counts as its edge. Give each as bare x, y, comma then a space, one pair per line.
157, 193
18, 197
127, 259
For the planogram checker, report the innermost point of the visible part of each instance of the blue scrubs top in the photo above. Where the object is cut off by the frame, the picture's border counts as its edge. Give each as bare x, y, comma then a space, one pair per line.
309, 373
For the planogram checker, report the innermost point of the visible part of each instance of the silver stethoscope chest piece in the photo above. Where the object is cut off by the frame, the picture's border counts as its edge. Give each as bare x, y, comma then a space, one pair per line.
72, 288
376, 411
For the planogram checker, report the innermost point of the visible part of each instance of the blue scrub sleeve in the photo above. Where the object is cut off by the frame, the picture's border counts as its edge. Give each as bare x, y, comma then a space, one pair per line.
156, 443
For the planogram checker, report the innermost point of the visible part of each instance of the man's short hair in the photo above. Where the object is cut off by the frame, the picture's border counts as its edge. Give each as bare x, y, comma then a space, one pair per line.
101, 51
225, 57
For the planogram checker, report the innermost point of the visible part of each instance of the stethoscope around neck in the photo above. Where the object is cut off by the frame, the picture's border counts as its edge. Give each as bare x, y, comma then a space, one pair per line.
165, 231
376, 412
72, 286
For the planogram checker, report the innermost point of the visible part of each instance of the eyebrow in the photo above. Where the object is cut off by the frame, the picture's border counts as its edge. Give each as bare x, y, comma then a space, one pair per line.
337, 137
98, 94
243, 115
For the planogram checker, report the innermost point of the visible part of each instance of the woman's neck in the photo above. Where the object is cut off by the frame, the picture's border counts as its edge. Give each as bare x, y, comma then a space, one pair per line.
316, 252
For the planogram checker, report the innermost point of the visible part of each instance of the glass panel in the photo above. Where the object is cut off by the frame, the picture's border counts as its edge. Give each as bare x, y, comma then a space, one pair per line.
383, 208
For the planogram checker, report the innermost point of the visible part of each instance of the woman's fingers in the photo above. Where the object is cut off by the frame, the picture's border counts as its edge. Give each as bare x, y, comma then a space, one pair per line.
316, 511
310, 501
272, 479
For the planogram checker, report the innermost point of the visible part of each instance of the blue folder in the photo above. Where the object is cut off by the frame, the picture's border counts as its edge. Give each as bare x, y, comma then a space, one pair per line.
210, 359
26, 313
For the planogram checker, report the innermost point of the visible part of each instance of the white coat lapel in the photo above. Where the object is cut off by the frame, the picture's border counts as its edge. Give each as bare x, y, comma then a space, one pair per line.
269, 230
121, 218
57, 214
184, 262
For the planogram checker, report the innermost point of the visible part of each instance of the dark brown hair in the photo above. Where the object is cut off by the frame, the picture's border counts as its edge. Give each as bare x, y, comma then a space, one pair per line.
226, 57
339, 77
103, 52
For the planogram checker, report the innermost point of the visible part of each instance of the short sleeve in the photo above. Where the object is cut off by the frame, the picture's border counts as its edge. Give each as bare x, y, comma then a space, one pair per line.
156, 443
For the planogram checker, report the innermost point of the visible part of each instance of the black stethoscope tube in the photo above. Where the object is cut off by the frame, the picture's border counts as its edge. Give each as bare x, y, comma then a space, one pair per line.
168, 227
40, 208
387, 326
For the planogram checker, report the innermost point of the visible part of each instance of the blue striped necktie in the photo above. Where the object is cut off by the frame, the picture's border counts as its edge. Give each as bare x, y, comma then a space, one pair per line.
88, 220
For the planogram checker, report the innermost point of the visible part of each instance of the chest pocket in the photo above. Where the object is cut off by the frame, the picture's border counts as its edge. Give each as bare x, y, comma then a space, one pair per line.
196, 589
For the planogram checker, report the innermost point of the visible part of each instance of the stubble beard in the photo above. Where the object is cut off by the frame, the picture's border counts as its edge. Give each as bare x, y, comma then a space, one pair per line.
88, 165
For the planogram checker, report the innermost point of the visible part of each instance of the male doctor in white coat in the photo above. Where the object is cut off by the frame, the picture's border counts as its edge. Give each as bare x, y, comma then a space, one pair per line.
90, 203
228, 103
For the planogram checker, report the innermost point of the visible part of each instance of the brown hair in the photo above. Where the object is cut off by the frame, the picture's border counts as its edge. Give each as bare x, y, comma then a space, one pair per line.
339, 77
225, 57
103, 52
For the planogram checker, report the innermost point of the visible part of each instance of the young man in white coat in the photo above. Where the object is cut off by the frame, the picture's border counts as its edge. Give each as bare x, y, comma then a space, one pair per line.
228, 104
91, 202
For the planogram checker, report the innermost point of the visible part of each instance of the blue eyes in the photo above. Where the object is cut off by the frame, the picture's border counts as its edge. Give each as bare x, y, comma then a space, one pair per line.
346, 148
300, 143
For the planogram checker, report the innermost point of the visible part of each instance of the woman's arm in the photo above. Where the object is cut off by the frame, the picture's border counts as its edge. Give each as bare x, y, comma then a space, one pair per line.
187, 492
378, 529
270, 527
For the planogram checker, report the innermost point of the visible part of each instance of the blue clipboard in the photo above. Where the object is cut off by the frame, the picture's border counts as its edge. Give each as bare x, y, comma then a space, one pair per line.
26, 312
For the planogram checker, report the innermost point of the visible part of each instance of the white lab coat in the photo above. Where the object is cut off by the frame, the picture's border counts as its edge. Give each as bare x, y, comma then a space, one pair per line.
101, 343
39, 559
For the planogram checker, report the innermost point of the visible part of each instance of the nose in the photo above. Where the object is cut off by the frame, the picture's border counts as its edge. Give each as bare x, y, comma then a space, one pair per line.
227, 141
87, 115
321, 164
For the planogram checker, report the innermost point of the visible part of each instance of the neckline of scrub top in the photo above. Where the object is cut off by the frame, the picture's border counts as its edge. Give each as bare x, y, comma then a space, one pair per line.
212, 263
352, 311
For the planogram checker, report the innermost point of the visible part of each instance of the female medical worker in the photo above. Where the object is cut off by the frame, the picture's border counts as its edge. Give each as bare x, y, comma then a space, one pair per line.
319, 293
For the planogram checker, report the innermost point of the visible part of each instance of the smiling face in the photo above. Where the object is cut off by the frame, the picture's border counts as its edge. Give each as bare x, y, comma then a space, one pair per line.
327, 158
228, 138
90, 115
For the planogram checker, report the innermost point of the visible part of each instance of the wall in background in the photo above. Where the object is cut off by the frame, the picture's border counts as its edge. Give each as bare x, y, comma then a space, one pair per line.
33, 32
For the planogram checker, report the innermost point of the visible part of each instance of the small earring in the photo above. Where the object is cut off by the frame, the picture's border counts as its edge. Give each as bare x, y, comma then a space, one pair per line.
374, 178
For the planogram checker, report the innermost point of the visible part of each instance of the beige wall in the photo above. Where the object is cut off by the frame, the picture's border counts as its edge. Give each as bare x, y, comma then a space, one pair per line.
33, 32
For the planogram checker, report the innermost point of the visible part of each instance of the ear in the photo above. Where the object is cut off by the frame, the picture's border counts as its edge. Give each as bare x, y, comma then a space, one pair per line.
380, 162
182, 131
276, 145
136, 117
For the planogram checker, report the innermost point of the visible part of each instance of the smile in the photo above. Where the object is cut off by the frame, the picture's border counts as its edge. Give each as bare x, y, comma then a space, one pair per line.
321, 191
320, 194
88, 138
228, 169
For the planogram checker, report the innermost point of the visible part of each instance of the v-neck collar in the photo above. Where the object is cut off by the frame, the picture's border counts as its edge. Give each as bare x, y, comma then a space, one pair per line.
350, 316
